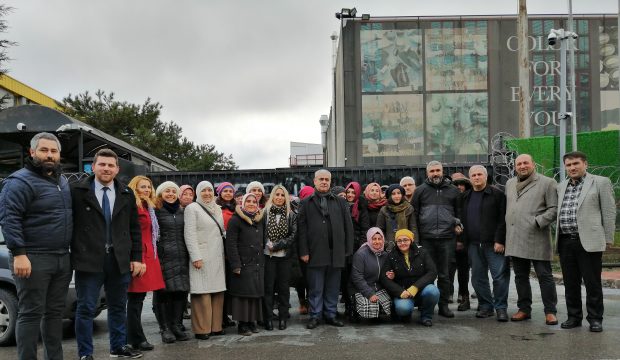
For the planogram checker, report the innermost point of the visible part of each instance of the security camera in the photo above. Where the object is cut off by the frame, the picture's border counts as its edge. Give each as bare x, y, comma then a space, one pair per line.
552, 38
21, 127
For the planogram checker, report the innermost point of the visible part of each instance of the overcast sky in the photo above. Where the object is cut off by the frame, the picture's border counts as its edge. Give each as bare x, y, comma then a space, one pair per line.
248, 76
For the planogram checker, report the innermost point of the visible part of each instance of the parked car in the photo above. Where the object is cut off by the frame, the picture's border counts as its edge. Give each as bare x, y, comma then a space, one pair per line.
8, 299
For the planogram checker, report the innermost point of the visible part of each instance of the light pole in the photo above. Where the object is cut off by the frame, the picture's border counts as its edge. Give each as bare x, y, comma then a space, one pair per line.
563, 36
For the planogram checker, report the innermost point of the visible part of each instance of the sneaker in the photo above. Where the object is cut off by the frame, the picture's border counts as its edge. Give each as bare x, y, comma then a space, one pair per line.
86, 357
126, 352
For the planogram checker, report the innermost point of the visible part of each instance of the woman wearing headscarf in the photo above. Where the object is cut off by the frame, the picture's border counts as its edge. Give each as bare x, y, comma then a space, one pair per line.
258, 190
280, 233
204, 227
411, 285
226, 200
169, 303
186, 195
300, 280
460, 261
244, 248
152, 279
368, 260
372, 194
397, 214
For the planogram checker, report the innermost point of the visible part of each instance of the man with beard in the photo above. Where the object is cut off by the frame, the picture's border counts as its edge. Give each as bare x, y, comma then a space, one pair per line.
37, 223
435, 204
531, 206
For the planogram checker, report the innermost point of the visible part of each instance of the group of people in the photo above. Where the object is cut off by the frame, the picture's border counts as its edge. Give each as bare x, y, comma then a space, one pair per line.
386, 250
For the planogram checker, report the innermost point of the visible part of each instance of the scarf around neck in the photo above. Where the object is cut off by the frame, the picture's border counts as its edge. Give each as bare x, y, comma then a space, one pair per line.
277, 230
399, 212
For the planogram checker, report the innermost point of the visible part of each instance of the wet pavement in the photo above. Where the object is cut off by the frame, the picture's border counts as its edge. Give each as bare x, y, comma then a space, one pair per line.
463, 336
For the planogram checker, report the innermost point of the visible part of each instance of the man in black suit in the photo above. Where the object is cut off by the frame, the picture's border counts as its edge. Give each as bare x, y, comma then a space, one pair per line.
106, 250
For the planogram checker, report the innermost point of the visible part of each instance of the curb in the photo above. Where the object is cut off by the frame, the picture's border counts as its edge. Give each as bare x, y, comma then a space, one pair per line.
607, 283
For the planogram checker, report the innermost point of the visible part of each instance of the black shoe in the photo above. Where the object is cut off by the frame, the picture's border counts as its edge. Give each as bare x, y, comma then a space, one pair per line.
253, 328
426, 322
502, 315
596, 326
487, 313
570, 324
218, 333
228, 322
126, 352
282, 325
202, 336
269, 325
312, 323
178, 334
242, 329
445, 311
143, 346
464, 305
86, 357
334, 322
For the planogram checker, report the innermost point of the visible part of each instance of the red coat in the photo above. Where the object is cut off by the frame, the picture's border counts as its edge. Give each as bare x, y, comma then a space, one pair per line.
226, 214
152, 278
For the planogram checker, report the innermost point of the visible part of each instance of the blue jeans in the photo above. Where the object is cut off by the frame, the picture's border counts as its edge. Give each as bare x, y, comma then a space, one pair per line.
323, 291
484, 260
427, 299
87, 287
41, 303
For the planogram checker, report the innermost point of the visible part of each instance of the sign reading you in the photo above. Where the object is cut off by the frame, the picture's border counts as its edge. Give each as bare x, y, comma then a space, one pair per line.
540, 69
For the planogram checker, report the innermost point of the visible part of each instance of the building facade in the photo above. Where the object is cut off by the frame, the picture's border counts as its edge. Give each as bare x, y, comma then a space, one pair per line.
411, 89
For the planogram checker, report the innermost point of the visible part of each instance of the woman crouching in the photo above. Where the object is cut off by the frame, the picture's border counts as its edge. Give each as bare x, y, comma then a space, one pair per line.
414, 275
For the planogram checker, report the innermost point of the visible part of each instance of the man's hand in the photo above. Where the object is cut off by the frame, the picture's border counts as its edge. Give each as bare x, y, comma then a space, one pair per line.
458, 229
137, 268
305, 258
198, 264
22, 266
237, 271
374, 299
498, 248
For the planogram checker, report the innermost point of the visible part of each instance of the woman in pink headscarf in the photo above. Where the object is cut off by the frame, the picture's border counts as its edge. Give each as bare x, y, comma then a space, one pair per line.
374, 201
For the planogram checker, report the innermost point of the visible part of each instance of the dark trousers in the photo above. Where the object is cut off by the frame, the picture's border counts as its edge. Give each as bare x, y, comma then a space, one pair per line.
277, 277
460, 264
41, 301
135, 333
578, 264
323, 291
87, 286
542, 268
441, 251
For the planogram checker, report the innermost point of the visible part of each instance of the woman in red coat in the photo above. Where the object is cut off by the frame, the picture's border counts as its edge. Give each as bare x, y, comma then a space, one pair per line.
152, 279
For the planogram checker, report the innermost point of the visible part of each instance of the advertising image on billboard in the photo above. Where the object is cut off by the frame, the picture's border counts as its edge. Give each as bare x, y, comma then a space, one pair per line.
392, 125
456, 59
457, 124
391, 59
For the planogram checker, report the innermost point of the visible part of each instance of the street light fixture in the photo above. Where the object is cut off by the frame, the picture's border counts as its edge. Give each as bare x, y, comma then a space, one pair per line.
346, 13
562, 36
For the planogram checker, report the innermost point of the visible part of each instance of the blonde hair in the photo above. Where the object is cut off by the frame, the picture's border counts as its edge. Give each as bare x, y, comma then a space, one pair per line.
287, 200
133, 185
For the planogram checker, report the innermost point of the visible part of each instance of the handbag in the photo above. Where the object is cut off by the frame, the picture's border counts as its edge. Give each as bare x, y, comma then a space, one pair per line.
217, 223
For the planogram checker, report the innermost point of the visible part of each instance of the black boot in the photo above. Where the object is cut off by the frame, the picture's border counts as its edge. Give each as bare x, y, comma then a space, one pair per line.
162, 319
177, 320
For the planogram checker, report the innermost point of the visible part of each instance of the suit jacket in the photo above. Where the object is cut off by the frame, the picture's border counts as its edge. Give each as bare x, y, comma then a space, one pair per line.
88, 244
596, 212
528, 216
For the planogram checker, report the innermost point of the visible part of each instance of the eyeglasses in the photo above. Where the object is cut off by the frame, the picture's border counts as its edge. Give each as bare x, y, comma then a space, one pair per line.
405, 241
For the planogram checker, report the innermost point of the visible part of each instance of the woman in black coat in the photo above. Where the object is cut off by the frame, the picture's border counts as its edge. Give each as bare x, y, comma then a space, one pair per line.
169, 303
244, 249
374, 202
280, 233
397, 214
412, 284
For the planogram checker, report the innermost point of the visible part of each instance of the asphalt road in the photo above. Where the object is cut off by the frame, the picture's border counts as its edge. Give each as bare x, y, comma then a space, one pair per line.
464, 336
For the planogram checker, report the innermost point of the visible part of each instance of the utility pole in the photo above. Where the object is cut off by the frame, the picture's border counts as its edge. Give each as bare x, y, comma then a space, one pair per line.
524, 71
573, 98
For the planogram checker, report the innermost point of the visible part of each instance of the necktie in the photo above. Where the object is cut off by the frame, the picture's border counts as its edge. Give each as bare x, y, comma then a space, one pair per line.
105, 205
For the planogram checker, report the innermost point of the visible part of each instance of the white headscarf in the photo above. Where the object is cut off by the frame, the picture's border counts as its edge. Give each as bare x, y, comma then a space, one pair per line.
211, 206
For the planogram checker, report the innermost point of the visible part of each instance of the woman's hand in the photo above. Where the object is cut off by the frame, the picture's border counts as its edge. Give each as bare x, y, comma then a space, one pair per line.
374, 299
405, 295
390, 275
198, 264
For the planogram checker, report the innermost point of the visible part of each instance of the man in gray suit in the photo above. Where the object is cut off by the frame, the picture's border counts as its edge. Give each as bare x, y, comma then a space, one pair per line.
586, 222
531, 206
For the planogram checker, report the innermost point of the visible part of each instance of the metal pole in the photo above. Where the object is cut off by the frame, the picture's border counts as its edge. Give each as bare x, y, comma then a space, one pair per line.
573, 98
618, 51
563, 41
524, 72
